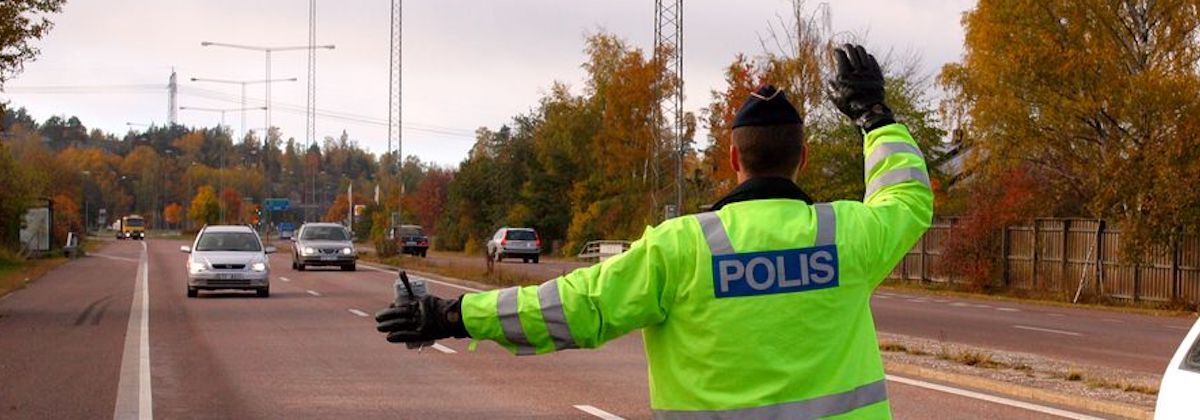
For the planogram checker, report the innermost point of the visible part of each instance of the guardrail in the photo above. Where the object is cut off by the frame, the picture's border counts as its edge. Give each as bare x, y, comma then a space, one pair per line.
595, 251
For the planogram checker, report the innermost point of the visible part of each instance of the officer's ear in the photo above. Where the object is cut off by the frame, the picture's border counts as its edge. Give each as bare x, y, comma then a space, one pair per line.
735, 157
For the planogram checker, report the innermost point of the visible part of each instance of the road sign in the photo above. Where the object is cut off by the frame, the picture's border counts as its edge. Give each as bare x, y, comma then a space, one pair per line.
277, 204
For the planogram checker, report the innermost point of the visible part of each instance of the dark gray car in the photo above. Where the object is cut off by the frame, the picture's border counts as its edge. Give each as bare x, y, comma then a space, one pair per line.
323, 244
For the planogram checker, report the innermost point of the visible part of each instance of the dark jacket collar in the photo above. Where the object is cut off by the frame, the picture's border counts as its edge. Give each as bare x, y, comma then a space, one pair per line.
762, 188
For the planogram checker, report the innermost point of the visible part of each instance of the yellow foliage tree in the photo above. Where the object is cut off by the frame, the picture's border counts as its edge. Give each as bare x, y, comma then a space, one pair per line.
205, 210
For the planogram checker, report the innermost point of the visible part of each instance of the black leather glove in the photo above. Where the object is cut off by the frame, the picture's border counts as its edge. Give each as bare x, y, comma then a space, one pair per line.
429, 318
857, 90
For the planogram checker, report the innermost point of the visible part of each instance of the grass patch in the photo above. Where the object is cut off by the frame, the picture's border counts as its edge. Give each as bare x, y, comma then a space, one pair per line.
16, 272
475, 274
893, 347
971, 358
1127, 387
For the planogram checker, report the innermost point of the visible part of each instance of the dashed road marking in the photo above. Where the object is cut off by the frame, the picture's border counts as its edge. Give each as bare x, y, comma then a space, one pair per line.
443, 349
1169, 326
113, 257
598, 412
882, 297
981, 306
1055, 314
1008, 309
313, 292
941, 301
285, 279
960, 304
358, 312
1047, 330
989, 398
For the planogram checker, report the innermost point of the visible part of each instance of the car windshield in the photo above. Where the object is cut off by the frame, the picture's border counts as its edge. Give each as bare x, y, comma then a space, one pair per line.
521, 235
134, 222
228, 241
408, 231
324, 233
1191, 361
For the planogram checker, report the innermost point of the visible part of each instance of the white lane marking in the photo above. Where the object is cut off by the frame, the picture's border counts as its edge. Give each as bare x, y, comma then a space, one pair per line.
980, 306
598, 412
443, 349
114, 257
285, 279
374, 268
991, 398
1008, 309
314, 293
1169, 326
133, 385
358, 312
882, 297
960, 304
941, 301
1056, 315
1047, 330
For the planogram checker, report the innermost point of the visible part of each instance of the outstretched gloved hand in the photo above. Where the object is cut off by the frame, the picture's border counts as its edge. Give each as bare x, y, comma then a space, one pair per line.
427, 319
857, 89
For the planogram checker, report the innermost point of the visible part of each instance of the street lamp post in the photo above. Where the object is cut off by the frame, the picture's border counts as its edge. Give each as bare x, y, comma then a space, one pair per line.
86, 210
243, 84
267, 52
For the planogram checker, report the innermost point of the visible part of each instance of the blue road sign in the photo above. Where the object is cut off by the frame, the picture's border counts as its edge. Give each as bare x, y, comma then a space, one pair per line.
277, 204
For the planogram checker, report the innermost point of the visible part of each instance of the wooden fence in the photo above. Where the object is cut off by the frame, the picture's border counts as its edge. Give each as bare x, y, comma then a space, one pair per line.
1069, 256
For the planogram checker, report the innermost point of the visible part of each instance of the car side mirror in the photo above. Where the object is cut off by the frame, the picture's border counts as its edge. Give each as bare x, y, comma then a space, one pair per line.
185, 249
269, 250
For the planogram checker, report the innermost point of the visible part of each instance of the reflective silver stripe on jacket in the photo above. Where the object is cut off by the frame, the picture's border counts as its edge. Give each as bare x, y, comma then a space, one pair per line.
883, 150
714, 233
510, 321
825, 406
718, 239
555, 317
896, 176
826, 225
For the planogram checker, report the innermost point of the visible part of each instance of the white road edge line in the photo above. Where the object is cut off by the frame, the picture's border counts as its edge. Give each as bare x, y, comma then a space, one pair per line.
443, 349
133, 386
991, 398
285, 279
314, 293
113, 257
598, 412
381, 270
358, 312
1047, 330
1008, 309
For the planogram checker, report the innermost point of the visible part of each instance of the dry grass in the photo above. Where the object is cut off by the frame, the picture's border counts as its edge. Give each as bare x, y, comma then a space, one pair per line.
15, 273
498, 278
1127, 387
971, 358
891, 346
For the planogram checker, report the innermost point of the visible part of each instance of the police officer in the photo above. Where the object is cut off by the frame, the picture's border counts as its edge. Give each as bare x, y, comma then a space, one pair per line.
759, 308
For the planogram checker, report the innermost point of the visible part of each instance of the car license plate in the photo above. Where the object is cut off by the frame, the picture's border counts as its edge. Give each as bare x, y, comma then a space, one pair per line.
328, 258
410, 243
227, 276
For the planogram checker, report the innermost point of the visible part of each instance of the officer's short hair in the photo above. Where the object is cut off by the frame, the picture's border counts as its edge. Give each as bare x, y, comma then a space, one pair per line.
770, 149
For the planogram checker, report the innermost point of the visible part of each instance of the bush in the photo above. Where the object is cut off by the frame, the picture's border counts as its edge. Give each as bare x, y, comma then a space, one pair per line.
386, 248
973, 251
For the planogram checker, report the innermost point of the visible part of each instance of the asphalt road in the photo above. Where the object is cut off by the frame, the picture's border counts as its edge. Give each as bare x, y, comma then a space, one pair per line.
1095, 337
71, 350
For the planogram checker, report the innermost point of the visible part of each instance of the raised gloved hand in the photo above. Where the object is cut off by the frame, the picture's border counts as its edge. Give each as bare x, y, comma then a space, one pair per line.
427, 319
857, 89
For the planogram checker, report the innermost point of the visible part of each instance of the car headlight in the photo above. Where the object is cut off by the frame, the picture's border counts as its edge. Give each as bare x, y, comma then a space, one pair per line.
258, 266
308, 250
347, 251
196, 267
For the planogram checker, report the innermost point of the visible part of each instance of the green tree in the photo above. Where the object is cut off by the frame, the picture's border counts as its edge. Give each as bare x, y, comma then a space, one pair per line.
205, 210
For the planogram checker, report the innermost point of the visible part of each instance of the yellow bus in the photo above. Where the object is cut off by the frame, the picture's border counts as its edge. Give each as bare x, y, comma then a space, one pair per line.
132, 227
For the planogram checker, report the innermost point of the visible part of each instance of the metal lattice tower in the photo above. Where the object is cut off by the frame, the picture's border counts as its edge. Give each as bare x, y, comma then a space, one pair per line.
172, 104
394, 84
668, 50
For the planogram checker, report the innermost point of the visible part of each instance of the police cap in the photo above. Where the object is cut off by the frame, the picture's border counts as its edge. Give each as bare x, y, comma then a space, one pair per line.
766, 106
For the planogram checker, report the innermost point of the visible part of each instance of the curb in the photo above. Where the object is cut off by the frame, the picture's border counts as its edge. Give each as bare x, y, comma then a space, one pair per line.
1022, 392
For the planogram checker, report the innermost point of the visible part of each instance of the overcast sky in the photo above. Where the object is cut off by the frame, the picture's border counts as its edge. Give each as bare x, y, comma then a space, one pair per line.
467, 64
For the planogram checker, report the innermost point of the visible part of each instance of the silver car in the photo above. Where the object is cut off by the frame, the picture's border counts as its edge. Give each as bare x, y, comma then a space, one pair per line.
228, 257
522, 243
327, 244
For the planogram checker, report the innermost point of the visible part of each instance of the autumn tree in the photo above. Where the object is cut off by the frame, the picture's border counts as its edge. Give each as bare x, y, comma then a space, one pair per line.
1096, 98
205, 209
173, 213
22, 21
231, 205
